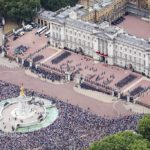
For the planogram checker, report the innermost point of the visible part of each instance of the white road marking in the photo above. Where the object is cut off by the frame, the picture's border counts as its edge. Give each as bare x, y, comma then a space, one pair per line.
45, 60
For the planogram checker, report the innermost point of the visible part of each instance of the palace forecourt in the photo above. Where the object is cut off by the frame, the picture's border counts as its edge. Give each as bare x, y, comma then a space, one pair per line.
99, 57
79, 66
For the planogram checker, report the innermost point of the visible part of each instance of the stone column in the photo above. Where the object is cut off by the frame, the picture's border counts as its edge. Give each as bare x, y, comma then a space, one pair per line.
17, 59
119, 95
3, 54
36, 66
128, 98
68, 76
30, 63
22, 61
134, 101
113, 93
96, 57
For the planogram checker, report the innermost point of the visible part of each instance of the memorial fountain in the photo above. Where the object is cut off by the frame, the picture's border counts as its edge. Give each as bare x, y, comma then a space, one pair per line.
26, 114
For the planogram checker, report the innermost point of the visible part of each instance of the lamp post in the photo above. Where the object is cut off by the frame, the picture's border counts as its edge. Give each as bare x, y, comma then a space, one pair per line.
3, 21
23, 23
3, 37
72, 144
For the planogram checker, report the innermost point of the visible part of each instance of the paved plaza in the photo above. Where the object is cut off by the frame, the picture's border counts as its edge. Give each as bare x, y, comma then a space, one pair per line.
82, 66
88, 69
97, 73
136, 26
66, 93
33, 42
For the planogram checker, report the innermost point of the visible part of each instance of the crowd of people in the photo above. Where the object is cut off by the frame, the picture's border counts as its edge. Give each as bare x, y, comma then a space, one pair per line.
61, 57
75, 128
126, 80
138, 91
96, 87
50, 75
94, 80
20, 50
101, 87
37, 58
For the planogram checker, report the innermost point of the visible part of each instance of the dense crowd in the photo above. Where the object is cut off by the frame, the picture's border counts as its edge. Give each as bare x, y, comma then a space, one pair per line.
138, 91
96, 87
37, 58
20, 50
50, 75
75, 128
61, 57
129, 78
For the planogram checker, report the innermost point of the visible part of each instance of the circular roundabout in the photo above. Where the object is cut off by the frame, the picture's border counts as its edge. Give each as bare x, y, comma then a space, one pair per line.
26, 114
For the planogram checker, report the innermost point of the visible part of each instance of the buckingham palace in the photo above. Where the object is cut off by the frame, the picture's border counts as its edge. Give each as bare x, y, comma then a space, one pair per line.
102, 41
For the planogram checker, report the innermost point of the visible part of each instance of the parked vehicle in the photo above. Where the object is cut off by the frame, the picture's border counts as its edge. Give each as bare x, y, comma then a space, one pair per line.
41, 30
47, 34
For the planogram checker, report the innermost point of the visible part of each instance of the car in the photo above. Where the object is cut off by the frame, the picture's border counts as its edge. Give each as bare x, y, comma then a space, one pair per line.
28, 28
21, 33
34, 25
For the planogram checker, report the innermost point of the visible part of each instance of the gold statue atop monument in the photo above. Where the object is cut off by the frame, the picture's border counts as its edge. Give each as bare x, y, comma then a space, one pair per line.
22, 94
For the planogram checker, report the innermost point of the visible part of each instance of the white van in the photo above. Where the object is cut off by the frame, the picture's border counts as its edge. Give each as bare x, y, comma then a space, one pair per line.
28, 27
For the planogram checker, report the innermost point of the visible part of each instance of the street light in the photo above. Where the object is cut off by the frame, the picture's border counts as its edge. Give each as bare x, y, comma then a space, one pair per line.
23, 23
72, 144
3, 21
3, 36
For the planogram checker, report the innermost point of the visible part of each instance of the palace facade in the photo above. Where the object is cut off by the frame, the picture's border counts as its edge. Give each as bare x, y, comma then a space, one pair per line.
101, 41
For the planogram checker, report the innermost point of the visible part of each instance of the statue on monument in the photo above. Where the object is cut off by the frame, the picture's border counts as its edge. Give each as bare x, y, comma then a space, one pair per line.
22, 94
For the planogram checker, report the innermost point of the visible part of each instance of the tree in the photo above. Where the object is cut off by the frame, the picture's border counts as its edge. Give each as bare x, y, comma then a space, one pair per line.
19, 9
139, 145
121, 141
54, 5
27, 9
144, 127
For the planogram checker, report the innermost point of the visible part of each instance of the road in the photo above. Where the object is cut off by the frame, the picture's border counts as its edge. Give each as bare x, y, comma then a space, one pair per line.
64, 92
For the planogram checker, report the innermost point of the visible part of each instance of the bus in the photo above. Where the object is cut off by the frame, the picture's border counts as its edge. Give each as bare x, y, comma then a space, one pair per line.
18, 31
47, 33
41, 30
